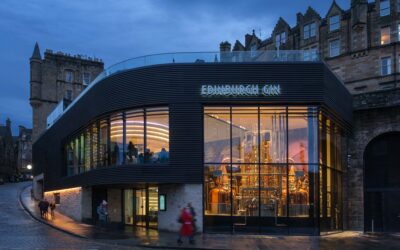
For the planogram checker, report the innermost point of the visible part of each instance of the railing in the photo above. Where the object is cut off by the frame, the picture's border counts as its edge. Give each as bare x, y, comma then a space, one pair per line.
194, 57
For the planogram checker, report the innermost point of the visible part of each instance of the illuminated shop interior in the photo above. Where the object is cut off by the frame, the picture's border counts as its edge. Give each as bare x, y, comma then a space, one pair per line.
262, 168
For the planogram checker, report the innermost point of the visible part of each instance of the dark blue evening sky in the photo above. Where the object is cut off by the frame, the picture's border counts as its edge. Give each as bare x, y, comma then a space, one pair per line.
115, 30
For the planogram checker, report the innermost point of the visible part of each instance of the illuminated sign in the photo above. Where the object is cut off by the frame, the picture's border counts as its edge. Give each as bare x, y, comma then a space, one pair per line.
241, 90
162, 202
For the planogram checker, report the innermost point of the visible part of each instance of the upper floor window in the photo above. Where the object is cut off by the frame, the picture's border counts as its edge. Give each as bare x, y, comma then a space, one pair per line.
280, 39
69, 76
385, 35
398, 5
334, 48
310, 54
86, 78
384, 8
334, 23
68, 95
309, 30
386, 66
398, 31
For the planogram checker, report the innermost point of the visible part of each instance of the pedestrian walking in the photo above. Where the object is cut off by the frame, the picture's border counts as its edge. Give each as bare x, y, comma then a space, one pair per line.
41, 208
102, 212
193, 213
52, 208
186, 230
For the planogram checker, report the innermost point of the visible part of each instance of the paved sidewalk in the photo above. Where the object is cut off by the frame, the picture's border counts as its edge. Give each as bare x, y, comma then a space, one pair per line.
151, 238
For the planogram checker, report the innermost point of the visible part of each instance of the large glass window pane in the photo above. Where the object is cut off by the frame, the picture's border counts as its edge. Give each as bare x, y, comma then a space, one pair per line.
157, 136
70, 158
244, 135
302, 135
88, 155
273, 135
299, 190
117, 139
217, 189
245, 189
217, 135
273, 190
103, 144
94, 145
128, 206
81, 142
134, 137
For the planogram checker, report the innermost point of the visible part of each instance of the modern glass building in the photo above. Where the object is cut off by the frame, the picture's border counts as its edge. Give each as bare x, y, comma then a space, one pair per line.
256, 142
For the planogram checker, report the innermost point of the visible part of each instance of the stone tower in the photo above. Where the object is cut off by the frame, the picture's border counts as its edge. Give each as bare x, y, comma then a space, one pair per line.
359, 13
56, 77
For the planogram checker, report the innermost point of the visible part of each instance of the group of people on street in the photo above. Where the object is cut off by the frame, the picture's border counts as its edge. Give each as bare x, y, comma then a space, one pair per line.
188, 224
44, 207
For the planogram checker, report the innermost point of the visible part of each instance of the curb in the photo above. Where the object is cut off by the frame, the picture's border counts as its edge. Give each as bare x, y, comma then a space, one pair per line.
43, 221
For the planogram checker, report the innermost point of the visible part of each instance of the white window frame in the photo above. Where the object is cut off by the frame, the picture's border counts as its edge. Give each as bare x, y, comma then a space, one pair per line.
83, 78
386, 66
334, 24
381, 36
69, 76
334, 48
384, 8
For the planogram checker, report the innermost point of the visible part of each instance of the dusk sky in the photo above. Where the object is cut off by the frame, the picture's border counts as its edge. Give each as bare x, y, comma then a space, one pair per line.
115, 30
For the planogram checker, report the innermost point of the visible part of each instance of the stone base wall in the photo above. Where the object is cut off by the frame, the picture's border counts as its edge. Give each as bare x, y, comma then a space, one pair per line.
368, 124
87, 204
70, 202
179, 196
114, 205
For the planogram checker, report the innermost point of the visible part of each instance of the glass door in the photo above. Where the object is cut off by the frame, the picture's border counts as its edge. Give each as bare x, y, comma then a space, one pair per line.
140, 207
128, 206
153, 207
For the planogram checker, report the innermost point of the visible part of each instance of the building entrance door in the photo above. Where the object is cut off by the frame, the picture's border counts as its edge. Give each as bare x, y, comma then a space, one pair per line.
382, 186
141, 207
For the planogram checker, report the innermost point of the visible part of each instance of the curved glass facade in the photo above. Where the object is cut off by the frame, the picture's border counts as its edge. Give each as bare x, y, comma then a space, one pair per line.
139, 136
262, 171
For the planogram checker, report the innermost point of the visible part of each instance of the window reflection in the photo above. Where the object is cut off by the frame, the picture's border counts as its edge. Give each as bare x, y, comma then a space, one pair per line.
273, 135
134, 137
103, 143
117, 139
157, 136
245, 135
217, 135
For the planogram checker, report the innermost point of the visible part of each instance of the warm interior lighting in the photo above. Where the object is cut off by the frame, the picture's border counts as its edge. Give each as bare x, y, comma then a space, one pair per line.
74, 189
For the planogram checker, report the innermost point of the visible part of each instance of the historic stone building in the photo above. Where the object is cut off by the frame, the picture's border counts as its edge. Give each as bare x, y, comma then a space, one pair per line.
362, 46
24, 158
56, 77
7, 152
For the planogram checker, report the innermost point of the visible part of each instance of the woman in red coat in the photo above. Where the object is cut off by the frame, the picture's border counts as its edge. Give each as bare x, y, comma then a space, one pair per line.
187, 226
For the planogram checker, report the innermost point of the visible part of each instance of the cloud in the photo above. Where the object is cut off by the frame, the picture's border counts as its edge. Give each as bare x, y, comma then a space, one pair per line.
115, 30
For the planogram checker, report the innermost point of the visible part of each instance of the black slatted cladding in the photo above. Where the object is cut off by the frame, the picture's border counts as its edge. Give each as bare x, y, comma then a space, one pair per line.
178, 86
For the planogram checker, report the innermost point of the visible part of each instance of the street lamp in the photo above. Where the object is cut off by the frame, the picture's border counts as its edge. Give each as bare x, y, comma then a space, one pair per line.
29, 166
